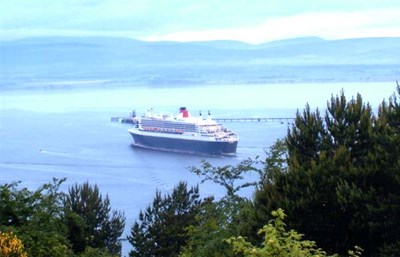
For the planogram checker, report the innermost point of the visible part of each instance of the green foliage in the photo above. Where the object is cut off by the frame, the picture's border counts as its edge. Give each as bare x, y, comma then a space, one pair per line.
96, 252
40, 220
275, 164
162, 228
341, 185
214, 223
35, 216
227, 176
390, 250
224, 218
90, 221
277, 241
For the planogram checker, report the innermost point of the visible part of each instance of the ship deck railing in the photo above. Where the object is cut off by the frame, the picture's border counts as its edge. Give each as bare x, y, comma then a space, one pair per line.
269, 119
273, 119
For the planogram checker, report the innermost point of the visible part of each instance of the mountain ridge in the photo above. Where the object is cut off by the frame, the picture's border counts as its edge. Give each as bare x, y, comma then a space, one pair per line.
220, 61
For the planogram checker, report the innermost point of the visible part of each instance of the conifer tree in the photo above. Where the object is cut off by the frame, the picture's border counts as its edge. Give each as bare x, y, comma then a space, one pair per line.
161, 229
341, 186
90, 221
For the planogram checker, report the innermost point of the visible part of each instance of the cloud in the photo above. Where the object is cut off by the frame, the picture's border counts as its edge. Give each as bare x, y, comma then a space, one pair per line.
329, 25
181, 20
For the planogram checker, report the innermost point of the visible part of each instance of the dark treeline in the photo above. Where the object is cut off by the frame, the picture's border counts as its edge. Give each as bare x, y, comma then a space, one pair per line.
331, 187
49, 222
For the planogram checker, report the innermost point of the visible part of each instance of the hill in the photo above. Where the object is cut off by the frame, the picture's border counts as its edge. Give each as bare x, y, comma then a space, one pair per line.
123, 60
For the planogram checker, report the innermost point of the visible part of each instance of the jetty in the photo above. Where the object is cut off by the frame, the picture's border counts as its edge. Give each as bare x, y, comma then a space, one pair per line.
130, 120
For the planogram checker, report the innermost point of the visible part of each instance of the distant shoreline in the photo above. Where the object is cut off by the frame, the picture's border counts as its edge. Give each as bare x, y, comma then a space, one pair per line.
64, 62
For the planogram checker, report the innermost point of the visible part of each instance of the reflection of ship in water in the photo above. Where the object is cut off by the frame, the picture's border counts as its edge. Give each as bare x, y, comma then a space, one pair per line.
184, 133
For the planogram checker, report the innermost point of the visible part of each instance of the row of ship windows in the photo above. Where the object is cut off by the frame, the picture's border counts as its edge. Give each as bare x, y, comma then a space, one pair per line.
185, 127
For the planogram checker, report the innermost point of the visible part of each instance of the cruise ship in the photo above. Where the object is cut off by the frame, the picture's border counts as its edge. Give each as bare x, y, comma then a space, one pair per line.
184, 133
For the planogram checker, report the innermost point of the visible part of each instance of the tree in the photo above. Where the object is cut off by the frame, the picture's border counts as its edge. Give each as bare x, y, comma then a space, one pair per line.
35, 217
341, 185
96, 252
278, 242
227, 176
90, 221
232, 208
162, 229
223, 218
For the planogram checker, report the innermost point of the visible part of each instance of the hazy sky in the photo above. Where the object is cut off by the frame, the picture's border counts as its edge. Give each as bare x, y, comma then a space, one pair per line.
253, 21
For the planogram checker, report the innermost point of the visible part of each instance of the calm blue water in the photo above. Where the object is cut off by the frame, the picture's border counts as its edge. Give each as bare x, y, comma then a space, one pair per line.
68, 133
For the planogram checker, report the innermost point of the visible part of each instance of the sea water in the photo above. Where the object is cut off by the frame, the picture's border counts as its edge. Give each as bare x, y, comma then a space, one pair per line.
67, 133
